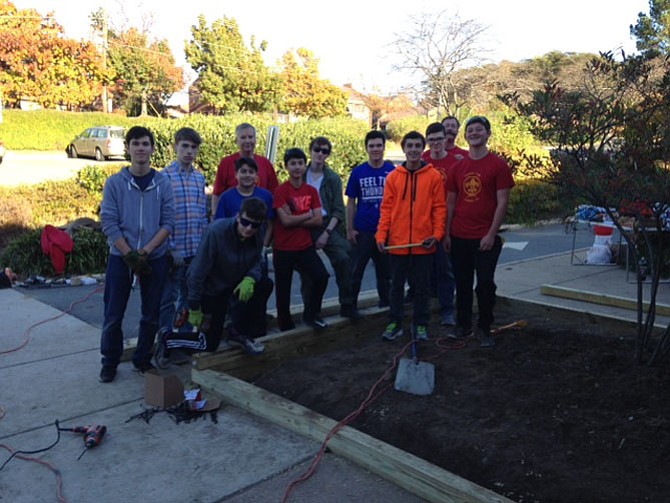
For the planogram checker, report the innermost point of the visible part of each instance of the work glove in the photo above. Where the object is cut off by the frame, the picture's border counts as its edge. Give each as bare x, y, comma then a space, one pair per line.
138, 261
245, 288
177, 259
195, 317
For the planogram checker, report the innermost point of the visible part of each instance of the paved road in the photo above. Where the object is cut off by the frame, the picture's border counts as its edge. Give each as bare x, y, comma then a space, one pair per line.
29, 167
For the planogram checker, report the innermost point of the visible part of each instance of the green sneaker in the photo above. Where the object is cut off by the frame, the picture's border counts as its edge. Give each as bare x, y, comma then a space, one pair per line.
421, 333
393, 331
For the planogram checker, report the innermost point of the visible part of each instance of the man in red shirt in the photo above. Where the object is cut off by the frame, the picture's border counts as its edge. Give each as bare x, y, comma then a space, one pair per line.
442, 277
477, 198
245, 137
451, 127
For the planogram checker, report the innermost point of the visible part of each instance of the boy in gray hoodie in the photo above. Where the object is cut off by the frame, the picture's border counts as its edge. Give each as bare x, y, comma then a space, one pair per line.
138, 215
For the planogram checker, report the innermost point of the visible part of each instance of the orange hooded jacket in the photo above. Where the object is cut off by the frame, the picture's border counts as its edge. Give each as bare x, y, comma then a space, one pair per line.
413, 209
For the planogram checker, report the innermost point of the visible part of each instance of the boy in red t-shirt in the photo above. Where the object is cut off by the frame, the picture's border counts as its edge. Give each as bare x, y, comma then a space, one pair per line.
298, 208
477, 198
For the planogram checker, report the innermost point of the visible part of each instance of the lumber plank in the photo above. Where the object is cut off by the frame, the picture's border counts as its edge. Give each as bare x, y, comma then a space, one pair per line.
599, 298
402, 468
294, 343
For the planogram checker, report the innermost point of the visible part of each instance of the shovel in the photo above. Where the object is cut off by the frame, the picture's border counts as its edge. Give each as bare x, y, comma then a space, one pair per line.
415, 377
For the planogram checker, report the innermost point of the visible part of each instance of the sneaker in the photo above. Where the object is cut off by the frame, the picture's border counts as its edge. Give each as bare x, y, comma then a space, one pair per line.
351, 312
162, 354
393, 331
447, 319
460, 333
143, 367
107, 373
250, 346
316, 323
420, 333
485, 338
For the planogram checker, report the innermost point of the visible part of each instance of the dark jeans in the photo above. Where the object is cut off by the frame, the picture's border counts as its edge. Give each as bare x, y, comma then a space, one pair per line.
175, 294
363, 251
338, 251
118, 282
244, 316
442, 280
307, 263
468, 259
416, 269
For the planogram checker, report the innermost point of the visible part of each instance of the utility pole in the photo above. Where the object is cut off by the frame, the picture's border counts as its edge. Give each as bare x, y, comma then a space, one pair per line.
105, 104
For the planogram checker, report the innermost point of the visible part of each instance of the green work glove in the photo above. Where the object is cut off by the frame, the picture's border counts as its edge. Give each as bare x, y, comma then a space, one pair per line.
195, 317
245, 289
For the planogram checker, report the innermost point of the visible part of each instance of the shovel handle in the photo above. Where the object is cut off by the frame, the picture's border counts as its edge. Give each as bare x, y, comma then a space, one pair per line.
395, 247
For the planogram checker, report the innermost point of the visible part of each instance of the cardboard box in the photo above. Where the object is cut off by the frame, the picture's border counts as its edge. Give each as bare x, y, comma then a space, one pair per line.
162, 390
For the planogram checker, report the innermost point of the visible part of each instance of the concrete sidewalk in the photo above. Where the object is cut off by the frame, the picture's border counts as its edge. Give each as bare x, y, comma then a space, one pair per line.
239, 458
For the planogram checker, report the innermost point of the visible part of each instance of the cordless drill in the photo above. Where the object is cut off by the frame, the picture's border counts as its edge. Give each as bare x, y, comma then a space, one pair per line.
93, 434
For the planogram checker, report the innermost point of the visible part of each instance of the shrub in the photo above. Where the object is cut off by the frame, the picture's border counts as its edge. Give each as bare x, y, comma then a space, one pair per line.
92, 178
399, 128
534, 200
54, 129
24, 254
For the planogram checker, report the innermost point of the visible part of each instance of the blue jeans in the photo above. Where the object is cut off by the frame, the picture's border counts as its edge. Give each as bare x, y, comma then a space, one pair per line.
175, 297
118, 282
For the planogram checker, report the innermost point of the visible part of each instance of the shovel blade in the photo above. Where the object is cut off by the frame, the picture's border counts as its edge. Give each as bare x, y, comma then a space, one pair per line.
417, 378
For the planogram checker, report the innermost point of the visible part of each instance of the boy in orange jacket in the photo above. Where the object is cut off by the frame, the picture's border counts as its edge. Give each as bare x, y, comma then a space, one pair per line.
411, 226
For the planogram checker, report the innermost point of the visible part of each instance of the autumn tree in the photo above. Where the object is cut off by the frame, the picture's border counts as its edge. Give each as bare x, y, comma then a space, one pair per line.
652, 30
611, 148
231, 76
38, 63
144, 71
435, 47
304, 93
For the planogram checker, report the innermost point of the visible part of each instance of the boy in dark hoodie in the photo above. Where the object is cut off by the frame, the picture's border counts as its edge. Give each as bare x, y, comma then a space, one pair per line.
411, 225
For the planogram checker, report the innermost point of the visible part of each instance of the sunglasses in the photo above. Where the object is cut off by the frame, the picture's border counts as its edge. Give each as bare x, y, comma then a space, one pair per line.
321, 150
244, 222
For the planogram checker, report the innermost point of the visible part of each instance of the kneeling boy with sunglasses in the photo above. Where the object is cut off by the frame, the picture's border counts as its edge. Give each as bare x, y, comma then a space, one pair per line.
225, 274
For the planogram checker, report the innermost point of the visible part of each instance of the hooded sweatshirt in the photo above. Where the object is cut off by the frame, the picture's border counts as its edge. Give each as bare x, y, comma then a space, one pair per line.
413, 209
135, 215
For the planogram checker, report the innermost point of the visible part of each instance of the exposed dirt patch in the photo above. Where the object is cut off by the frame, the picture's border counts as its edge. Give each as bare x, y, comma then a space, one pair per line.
556, 412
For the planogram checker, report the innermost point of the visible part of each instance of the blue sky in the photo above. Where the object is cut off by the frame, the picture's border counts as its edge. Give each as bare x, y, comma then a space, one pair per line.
353, 39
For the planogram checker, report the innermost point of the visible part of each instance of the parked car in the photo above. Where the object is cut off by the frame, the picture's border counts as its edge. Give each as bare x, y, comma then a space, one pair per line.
100, 142
2, 151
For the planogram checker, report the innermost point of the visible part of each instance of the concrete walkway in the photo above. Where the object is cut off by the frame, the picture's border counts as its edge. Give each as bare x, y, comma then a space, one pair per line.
239, 458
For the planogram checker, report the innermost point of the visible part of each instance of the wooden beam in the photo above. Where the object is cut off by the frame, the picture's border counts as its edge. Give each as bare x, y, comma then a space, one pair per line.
291, 344
331, 307
414, 474
599, 298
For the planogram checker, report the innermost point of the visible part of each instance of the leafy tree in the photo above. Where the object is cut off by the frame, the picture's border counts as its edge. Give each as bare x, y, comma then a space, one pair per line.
653, 30
38, 63
231, 76
435, 47
612, 149
144, 71
305, 94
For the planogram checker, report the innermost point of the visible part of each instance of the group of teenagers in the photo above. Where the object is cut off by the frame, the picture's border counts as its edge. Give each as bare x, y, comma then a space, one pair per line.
430, 223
